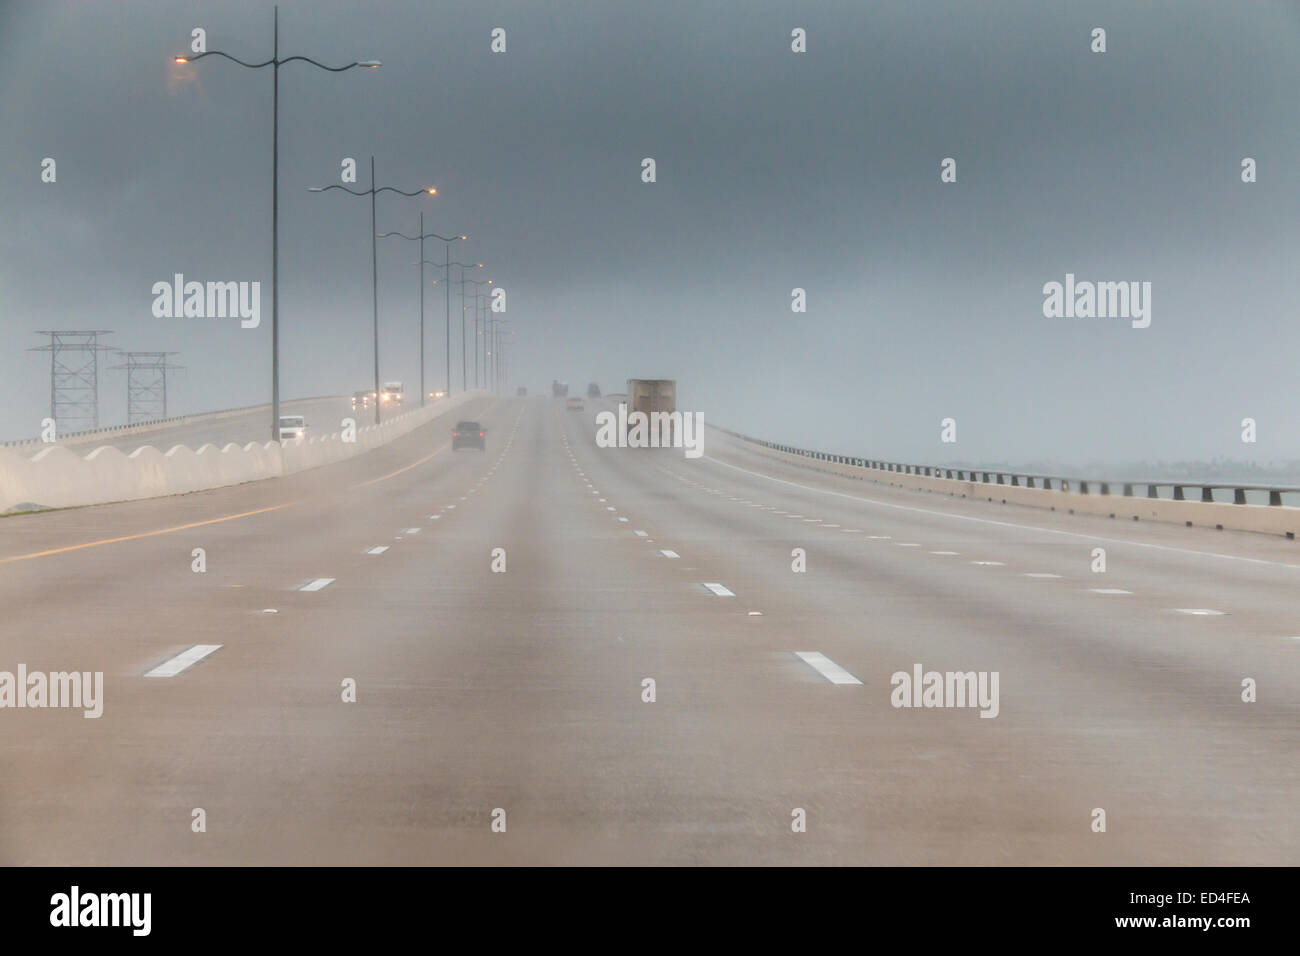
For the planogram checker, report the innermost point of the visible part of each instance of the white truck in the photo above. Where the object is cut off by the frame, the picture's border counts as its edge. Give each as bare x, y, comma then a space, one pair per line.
292, 426
391, 393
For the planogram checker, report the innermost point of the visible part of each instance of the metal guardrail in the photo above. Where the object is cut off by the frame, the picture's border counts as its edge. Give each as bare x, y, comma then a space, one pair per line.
1083, 486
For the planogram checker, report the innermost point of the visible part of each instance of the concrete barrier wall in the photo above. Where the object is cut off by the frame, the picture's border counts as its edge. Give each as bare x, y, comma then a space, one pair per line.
91, 436
58, 477
1270, 519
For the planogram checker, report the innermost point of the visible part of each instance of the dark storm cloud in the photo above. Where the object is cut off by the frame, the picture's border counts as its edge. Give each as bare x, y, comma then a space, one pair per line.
775, 170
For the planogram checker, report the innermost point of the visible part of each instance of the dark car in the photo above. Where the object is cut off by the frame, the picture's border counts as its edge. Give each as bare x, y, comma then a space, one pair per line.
593, 390
521, 391
468, 435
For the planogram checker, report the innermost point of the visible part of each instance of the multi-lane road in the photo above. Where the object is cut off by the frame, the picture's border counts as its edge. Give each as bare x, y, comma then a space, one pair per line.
521, 694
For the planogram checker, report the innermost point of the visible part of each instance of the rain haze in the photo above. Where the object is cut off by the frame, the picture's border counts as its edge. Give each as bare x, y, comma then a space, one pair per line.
685, 433
924, 299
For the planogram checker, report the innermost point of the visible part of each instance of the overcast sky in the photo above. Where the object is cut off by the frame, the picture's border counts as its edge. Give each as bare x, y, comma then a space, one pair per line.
775, 170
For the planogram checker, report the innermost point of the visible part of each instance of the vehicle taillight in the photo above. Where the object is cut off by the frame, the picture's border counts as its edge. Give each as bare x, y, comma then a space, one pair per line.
455, 434
480, 434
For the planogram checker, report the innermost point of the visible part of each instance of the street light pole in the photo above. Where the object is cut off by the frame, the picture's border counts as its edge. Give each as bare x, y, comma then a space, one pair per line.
275, 230
476, 283
374, 283
422, 392
446, 246
494, 336
275, 63
464, 372
464, 344
373, 192
446, 264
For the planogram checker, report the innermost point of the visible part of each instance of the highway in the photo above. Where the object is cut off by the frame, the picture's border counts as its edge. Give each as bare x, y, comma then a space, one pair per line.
523, 689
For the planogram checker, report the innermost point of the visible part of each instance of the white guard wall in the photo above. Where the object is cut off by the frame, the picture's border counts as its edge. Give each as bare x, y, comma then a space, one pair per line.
58, 477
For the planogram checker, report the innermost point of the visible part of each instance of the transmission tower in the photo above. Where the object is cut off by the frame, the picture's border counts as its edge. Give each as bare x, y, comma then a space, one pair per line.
146, 385
74, 377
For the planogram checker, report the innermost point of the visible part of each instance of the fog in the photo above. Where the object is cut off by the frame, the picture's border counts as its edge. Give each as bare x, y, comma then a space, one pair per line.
775, 170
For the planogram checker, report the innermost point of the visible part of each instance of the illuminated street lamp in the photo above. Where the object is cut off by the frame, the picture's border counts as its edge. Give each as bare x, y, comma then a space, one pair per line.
420, 236
372, 192
276, 62
446, 264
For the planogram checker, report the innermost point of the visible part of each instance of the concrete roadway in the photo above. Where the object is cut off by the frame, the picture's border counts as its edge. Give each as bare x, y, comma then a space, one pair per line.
523, 690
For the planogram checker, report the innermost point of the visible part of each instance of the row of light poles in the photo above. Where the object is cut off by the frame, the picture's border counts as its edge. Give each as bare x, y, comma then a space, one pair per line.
276, 62
372, 192
447, 264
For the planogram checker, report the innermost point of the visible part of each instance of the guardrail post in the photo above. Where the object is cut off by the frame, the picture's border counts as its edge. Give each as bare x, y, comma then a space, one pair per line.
1178, 493
1239, 496
1207, 493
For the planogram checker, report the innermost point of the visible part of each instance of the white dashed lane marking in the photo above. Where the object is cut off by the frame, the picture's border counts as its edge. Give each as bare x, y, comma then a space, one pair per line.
720, 590
826, 667
379, 549
185, 659
669, 554
317, 584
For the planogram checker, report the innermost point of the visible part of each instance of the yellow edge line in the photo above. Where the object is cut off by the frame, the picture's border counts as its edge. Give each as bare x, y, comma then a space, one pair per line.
441, 448
413, 464
144, 534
